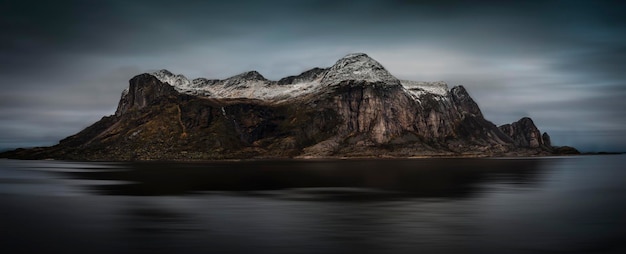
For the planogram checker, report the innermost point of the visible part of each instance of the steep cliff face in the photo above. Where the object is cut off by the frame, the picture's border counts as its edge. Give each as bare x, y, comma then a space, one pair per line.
382, 119
524, 133
546, 139
354, 108
143, 90
464, 102
370, 110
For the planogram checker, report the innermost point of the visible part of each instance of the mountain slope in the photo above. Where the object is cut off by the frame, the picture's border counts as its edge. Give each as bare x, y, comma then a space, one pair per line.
353, 109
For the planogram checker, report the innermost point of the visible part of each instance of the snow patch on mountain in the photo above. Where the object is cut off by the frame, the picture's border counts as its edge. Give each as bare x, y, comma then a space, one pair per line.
419, 88
245, 85
253, 85
358, 66
178, 81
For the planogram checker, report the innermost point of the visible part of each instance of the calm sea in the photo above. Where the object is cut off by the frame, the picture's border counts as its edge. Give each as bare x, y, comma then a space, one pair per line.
534, 205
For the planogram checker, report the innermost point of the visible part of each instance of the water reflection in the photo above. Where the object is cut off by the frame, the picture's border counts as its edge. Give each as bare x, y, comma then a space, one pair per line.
328, 180
355, 206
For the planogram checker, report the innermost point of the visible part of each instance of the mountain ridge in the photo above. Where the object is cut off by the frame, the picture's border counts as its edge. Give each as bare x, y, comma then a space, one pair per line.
354, 108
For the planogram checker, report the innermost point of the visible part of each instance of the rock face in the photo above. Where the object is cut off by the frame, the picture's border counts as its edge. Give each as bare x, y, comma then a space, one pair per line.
546, 139
143, 90
353, 109
524, 133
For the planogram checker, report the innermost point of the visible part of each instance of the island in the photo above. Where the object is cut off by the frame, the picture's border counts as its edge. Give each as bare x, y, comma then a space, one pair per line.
353, 109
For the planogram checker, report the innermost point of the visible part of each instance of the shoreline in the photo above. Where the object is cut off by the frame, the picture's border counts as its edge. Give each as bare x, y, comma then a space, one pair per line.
332, 158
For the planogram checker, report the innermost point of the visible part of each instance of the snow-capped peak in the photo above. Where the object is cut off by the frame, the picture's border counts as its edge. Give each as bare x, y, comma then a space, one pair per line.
358, 66
249, 75
245, 78
251, 84
178, 81
163, 72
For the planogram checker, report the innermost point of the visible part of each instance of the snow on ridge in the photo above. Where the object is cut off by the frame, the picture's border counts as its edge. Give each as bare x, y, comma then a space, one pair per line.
253, 85
264, 90
358, 66
178, 81
245, 85
419, 88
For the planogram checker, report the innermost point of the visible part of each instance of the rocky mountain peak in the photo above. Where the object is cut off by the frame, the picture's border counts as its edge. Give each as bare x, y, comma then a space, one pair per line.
163, 72
178, 81
358, 66
546, 139
143, 90
524, 133
250, 76
306, 76
244, 78
464, 101
526, 121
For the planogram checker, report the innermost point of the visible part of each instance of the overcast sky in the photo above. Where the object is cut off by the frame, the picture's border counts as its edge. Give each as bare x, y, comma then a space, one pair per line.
64, 64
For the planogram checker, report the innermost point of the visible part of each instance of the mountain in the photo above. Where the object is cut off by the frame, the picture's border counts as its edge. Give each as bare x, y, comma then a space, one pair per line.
355, 108
525, 134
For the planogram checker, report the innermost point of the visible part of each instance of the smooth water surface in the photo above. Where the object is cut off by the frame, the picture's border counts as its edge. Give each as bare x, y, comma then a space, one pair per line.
530, 205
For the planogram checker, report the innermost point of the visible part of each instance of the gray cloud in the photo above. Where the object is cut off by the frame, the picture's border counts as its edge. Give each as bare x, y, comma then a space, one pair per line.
63, 64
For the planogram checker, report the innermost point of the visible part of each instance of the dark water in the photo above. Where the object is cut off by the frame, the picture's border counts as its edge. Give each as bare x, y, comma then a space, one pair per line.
545, 205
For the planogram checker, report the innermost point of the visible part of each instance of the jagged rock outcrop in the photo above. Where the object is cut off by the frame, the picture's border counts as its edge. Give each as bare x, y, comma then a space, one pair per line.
546, 139
525, 134
304, 77
464, 102
360, 67
353, 109
143, 90
244, 78
178, 81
